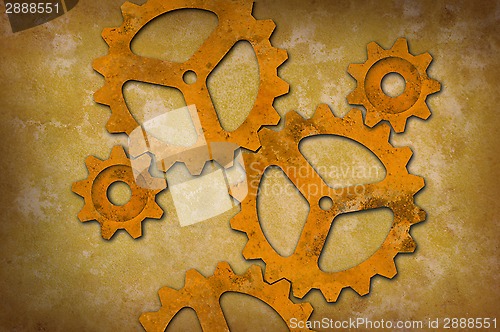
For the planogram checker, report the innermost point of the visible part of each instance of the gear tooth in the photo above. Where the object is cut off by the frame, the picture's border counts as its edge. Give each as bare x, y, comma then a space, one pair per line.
192, 277
362, 287
389, 270
237, 223
99, 66
283, 287
80, 187
108, 35
355, 97
129, 8
408, 245
281, 87
298, 291
356, 70
267, 27
417, 182
86, 214
401, 45
166, 295
113, 125
293, 116
382, 130
93, 163
422, 112
223, 268
424, 60
101, 95
421, 215
155, 212
195, 168
307, 309
245, 6
331, 294
374, 49
134, 229
372, 118
271, 274
398, 124
107, 231
323, 111
266, 133
151, 320
118, 152
254, 271
354, 115
434, 86
406, 153
249, 253
281, 56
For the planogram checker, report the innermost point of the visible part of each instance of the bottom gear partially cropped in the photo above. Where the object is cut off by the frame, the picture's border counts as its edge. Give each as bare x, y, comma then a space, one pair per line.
94, 190
203, 295
396, 192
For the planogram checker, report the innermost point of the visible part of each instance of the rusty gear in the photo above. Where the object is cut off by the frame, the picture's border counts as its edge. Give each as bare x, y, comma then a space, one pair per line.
203, 294
396, 192
380, 106
236, 23
98, 207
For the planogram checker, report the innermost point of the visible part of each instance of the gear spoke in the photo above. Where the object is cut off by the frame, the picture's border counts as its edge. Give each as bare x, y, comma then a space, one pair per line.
154, 71
360, 197
216, 320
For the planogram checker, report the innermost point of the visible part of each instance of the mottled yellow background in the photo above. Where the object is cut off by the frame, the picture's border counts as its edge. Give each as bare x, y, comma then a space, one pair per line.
59, 275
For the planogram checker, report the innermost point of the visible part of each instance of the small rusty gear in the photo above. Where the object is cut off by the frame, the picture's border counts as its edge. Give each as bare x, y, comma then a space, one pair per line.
236, 23
98, 207
380, 106
396, 192
203, 295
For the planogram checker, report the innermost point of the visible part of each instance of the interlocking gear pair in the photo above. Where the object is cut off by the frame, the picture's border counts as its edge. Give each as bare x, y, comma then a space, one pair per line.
280, 149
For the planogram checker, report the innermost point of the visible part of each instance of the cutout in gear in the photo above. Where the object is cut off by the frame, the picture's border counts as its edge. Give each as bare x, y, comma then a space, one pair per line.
380, 106
203, 296
396, 192
98, 207
236, 23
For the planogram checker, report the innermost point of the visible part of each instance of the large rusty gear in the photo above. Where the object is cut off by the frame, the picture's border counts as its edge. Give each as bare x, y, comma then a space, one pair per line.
396, 192
203, 295
98, 207
236, 23
379, 105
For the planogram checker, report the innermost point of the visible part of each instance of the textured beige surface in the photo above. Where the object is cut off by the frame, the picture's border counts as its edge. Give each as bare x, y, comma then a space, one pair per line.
59, 274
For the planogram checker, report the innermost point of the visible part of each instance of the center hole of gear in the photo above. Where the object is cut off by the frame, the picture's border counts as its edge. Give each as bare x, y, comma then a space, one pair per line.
189, 77
325, 203
393, 85
119, 193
